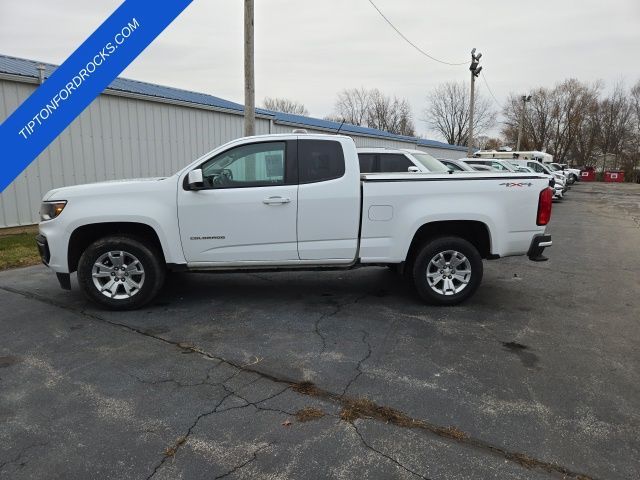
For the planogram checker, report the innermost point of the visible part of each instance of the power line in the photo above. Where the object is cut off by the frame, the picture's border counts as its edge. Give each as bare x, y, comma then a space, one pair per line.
491, 92
410, 42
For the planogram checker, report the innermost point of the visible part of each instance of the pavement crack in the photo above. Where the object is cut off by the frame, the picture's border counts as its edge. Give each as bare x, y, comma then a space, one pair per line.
172, 381
382, 454
253, 457
21, 453
365, 336
171, 451
256, 404
338, 307
261, 277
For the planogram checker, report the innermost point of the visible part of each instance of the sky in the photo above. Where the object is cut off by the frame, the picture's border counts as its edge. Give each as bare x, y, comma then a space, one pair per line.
308, 51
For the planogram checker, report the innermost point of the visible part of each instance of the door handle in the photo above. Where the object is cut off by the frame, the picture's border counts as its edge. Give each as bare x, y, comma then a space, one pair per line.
276, 200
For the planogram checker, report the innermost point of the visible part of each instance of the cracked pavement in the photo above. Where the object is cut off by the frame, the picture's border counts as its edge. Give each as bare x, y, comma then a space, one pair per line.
536, 377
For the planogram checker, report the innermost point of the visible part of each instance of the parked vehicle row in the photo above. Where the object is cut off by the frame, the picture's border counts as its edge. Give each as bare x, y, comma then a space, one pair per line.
379, 160
291, 202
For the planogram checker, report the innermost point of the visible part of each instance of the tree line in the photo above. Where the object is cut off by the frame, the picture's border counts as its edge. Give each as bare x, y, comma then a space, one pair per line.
580, 123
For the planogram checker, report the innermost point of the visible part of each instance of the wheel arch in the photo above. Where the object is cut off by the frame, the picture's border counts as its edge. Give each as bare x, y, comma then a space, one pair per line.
474, 231
85, 235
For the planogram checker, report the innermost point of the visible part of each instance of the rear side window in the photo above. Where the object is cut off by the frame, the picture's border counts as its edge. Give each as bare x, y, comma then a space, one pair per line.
367, 162
394, 162
319, 160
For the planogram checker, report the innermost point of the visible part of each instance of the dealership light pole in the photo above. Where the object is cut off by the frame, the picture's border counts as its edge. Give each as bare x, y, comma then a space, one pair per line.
525, 99
249, 78
475, 71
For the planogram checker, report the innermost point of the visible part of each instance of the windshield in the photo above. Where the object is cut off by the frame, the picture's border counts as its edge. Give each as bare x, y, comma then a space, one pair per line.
553, 167
547, 170
430, 162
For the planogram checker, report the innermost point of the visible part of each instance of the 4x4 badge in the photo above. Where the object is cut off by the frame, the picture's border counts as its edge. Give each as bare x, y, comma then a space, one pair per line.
521, 184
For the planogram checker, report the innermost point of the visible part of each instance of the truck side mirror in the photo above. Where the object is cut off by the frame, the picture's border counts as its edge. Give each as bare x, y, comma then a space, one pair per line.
414, 169
195, 180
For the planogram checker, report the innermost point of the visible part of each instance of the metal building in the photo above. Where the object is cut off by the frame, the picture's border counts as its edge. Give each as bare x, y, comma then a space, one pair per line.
136, 129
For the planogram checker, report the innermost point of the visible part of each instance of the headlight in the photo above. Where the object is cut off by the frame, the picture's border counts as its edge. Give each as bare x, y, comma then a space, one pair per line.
50, 210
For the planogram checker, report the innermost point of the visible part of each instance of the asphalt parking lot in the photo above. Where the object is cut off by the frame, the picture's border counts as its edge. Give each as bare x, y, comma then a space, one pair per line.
339, 374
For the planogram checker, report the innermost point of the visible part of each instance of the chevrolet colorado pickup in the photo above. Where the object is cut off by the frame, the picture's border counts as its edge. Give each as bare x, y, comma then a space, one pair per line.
293, 201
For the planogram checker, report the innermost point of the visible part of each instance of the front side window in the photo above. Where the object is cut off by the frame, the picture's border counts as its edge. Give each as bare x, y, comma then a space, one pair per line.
253, 165
319, 160
394, 162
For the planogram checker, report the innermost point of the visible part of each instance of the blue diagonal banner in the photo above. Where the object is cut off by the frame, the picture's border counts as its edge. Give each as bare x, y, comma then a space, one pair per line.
79, 80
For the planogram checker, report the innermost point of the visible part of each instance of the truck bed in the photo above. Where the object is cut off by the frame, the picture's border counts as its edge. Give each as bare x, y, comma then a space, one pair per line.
395, 205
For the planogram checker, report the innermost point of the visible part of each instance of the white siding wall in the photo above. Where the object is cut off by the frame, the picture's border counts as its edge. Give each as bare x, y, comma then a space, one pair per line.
121, 137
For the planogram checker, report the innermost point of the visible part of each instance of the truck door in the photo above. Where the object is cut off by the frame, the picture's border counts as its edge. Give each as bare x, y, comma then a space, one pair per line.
247, 210
328, 201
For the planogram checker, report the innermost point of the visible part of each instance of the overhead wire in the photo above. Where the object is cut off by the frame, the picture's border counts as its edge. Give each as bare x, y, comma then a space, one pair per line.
490, 91
402, 35
431, 57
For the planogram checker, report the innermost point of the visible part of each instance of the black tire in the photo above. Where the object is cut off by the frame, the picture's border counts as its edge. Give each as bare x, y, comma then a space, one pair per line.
421, 267
149, 260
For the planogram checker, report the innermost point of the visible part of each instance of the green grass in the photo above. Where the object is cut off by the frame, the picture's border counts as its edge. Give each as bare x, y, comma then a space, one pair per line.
18, 249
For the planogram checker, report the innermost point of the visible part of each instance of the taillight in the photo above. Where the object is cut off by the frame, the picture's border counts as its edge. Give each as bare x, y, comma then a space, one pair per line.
544, 207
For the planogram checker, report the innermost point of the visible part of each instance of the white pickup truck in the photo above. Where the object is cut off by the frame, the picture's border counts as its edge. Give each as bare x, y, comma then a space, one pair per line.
295, 201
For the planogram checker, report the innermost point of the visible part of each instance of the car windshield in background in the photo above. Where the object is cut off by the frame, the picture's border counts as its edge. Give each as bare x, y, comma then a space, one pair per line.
432, 164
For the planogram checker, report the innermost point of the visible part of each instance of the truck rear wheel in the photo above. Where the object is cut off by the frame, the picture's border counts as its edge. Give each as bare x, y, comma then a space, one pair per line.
120, 273
447, 271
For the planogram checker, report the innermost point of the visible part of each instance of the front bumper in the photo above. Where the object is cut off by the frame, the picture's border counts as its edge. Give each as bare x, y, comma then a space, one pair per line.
45, 254
538, 244
43, 249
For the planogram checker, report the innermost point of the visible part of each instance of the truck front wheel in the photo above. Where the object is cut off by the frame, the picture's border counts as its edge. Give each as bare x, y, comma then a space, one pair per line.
120, 273
447, 271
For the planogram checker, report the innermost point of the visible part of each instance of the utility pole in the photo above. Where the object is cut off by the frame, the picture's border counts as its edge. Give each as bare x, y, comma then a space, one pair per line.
475, 71
525, 99
249, 78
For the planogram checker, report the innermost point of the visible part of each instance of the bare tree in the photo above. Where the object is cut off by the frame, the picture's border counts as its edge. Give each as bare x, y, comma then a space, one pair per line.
374, 109
554, 119
488, 143
284, 105
448, 109
615, 124
352, 105
389, 114
587, 135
